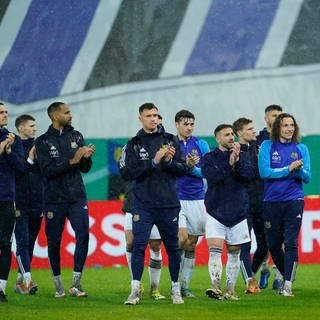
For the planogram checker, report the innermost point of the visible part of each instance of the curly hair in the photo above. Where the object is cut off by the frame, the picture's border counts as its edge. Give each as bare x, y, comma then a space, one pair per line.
275, 131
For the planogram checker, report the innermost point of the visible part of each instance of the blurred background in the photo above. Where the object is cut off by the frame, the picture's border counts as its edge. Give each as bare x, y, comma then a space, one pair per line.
221, 59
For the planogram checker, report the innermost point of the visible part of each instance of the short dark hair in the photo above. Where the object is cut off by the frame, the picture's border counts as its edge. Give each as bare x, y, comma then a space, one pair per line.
273, 107
221, 127
159, 117
183, 114
55, 106
23, 119
275, 131
147, 106
240, 123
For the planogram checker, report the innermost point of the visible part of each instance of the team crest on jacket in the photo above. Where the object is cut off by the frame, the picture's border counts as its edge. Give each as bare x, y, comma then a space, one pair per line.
18, 213
49, 214
74, 145
143, 154
294, 155
136, 217
194, 152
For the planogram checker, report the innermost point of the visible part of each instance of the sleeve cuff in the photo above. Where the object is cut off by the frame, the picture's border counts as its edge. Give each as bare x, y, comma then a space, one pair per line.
30, 161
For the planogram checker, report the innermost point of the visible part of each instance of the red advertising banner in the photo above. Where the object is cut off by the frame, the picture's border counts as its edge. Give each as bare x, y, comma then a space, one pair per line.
107, 243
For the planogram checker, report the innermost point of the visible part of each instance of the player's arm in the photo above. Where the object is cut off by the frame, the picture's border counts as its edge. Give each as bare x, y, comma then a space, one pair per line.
305, 171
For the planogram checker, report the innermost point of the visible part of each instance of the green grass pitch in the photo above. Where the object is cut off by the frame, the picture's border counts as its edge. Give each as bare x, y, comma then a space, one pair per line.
109, 287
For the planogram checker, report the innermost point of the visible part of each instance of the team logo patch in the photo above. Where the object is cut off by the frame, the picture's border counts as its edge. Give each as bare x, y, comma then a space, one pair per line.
54, 153
276, 158
136, 217
194, 152
49, 214
294, 155
74, 145
143, 154
18, 213
267, 224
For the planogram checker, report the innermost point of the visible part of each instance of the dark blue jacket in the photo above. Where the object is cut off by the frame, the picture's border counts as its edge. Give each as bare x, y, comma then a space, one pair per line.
29, 184
263, 135
254, 186
226, 198
54, 149
10, 164
154, 186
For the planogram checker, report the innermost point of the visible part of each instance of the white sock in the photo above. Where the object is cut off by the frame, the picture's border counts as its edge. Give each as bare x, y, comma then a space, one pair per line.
3, 284
27, 277
288, 284
215, 266
128, 256
232, 269
175, 286
76, 279
155, 269
135, 285
276, 273
58, 284
19, 278
187, 268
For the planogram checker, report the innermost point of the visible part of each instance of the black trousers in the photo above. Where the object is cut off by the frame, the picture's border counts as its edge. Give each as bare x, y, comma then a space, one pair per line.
7, 220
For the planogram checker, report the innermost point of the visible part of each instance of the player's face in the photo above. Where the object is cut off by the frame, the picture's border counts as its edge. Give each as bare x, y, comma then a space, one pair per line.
225, 138
185, 128
287, 128
149, 119
248, 133
64, 116
270, 117
28, 129
3, 116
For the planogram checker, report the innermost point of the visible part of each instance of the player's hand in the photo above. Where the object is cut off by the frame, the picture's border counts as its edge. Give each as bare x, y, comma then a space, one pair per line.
32, 153
234, 153
295, 165
3, 146
171, 151
10, 140
90, 149
192, 160
159, 155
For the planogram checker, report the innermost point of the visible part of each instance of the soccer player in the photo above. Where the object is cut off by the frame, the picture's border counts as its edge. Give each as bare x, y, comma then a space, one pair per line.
284, 164
271, 113
227, 170
29, 206
62, 156
155, 242
193, 214
152, 160
245, 131
11, 162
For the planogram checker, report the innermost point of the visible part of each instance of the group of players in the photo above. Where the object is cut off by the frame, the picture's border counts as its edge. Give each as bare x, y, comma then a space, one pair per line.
251, 184
39, 178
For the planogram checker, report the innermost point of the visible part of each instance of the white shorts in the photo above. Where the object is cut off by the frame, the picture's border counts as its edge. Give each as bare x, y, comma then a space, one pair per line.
235, 235
193, 216
154, 235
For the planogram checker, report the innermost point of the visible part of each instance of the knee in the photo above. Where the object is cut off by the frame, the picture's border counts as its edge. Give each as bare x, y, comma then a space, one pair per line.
83, 238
